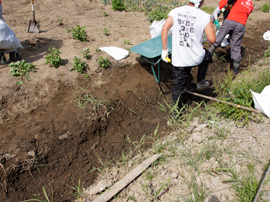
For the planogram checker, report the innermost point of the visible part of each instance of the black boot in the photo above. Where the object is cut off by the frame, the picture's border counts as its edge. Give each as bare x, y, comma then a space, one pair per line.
13, 57
3, 59
235, 66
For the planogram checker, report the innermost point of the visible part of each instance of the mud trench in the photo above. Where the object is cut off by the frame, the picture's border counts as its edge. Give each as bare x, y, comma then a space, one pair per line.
56, 141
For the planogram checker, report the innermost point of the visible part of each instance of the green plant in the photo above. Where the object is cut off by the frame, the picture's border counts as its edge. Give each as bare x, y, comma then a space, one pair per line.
127, 42
104, 13
42, 200
78, 191
78, 65
53, 58
78, 33
246, 188
98, 50
104, 62
158, 14
118, 5
265, 7
198, 192
238, 92
21, 69
59, 22
96, 108
152, 194
106, 31
85, 53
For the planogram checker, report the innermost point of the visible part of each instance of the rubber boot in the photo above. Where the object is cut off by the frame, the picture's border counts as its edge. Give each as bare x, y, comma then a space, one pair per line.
3, 59
212, 49
13, 57
235, 66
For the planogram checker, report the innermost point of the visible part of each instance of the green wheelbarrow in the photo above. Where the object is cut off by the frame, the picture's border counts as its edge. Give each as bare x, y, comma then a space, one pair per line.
150, 51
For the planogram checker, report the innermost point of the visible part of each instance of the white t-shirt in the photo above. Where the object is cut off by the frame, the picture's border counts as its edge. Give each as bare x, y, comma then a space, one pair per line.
188, 27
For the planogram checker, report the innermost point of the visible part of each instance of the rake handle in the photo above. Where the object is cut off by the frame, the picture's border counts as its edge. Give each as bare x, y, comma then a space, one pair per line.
222, 101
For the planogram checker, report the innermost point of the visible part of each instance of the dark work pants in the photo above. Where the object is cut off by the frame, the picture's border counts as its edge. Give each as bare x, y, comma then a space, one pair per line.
180, 76
236, 31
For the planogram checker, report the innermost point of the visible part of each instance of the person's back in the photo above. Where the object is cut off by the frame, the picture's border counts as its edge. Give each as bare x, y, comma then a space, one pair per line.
240, 11
187, 36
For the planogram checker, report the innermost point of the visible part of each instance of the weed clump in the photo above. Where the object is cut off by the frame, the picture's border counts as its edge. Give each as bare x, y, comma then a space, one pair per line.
265, 7
21, 69
238, 92
118, 5
158, 14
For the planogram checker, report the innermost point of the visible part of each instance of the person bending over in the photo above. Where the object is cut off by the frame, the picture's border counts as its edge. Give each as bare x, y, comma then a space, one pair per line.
189, 23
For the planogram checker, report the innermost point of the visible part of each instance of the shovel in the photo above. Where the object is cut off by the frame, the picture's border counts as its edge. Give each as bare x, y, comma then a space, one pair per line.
33, 24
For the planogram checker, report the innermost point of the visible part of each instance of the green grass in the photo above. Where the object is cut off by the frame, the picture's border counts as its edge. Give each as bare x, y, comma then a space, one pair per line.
238, 92
208, 9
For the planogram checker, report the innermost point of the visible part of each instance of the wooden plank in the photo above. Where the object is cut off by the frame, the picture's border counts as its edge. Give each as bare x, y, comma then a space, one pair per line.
115, 189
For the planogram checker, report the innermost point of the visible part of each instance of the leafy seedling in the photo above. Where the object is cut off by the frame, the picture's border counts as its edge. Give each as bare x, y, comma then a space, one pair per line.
85, 53
103, 62
106, 31
21, 68
104, 13
78, 33
127, 42
78, 65
59, 22
53, 58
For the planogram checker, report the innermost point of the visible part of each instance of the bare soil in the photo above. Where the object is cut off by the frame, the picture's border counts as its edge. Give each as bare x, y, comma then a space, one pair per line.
46, 139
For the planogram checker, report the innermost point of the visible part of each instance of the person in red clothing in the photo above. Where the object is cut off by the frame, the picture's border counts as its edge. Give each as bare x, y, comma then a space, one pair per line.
234, 25
13, 54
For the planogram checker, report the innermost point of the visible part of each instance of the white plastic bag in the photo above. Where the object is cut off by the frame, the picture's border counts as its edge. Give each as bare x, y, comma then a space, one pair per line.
8, 39
156, 28
262, 101
266, 36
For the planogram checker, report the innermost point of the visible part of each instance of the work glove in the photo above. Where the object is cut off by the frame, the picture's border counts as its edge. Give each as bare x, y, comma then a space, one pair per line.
217, 24
164, 56
216, 13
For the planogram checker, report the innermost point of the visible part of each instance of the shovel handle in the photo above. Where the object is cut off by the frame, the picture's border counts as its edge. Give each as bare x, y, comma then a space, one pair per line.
33, 9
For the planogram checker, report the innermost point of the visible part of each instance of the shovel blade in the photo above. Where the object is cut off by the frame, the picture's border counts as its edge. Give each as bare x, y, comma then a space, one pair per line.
33, 27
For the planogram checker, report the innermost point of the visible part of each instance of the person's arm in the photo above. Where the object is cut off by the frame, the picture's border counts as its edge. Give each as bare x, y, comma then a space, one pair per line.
164, 37
210, 33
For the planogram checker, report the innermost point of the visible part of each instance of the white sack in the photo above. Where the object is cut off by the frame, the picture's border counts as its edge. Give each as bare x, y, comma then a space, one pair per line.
115, 52
262, 101
8, 39
156, 28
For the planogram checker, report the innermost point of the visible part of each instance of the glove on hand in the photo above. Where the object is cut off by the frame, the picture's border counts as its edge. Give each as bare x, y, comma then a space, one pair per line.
217, 24
164, 55
216, 12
